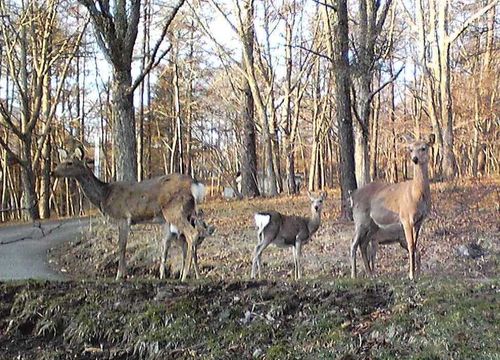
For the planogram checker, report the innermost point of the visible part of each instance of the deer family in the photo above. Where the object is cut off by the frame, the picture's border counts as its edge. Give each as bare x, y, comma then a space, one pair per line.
198, 222
286, 231
390, 209
169, 200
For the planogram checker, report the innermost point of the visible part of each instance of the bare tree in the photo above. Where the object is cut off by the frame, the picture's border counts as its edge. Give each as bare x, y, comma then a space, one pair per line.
27, 35
434, 41
116, 28
336, 24
248, 152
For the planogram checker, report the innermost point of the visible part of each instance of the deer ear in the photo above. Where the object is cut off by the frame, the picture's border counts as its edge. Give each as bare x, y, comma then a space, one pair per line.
63, 154
432, 139
311, 197
408, 138
78, 154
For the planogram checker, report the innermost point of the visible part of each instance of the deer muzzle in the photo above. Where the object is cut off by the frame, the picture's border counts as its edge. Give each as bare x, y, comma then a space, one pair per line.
415, 160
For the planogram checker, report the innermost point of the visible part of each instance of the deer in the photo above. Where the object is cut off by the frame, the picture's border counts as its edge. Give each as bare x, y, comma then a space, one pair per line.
206, 230
286, 231
169, 200
383, 211
387, 237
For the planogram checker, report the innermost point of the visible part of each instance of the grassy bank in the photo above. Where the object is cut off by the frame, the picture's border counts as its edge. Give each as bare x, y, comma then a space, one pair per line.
432, 319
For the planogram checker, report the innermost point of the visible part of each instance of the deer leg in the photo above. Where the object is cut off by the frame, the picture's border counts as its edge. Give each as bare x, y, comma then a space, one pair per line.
256, 261
191, 235
123, 231
410, 243
195, 262
366, 258
359, 235
260, 239
417, 252
294, 252
258, 252
298, 254
372, 255
167, 240
183, 261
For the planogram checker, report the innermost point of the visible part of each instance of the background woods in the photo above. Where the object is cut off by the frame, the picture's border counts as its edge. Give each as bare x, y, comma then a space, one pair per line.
290, 93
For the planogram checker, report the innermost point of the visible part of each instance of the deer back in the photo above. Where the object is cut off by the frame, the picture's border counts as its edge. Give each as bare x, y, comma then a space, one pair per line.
290, 227
143, 201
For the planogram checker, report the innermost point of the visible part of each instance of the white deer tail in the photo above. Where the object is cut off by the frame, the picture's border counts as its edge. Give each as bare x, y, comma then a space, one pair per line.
198, 191
261, 221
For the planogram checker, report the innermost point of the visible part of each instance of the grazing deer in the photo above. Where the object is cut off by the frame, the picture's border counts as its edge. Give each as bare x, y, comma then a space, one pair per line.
168, 199
392, 208
198, 222
286, 231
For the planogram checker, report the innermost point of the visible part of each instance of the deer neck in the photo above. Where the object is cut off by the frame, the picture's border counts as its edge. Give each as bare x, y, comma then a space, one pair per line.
94, 189
420, 184
314, 221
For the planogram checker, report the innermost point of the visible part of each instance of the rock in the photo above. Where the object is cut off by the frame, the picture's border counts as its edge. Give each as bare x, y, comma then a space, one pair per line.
471, 250
257, 353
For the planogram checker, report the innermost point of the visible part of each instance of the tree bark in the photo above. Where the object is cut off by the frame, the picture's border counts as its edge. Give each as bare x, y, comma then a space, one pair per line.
339, 51
247, 34
124, 125
248, 152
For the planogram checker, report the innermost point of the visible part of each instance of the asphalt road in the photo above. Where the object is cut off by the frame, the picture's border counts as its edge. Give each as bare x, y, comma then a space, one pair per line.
23, 248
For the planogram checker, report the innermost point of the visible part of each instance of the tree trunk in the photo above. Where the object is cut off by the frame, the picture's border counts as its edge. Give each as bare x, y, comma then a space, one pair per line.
247, 34
28, 182
374, 142
394, 150
449, 160
124, 125
343, 105
248, 152
44, 205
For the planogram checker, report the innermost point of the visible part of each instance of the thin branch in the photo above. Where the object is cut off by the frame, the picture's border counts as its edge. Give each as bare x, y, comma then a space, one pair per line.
381, 87
6, 117
314, 52
470, 20
11, 153
329, 6
153, 61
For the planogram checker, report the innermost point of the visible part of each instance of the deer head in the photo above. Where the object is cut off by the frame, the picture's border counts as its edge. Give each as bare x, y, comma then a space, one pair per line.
419, 149
198, 221
71, 166
317, 201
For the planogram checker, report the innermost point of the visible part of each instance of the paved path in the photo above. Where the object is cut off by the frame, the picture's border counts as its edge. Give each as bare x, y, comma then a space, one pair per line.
23, 248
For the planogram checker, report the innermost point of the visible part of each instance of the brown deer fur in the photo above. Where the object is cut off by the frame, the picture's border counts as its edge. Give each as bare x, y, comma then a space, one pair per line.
392, 208
168, 199
286, 231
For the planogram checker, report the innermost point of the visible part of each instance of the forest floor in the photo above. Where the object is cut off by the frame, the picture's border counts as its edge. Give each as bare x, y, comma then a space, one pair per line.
452, 311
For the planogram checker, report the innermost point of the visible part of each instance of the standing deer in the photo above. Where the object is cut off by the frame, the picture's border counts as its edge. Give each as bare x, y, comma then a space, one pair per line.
169, 200
286, 231
392, 208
